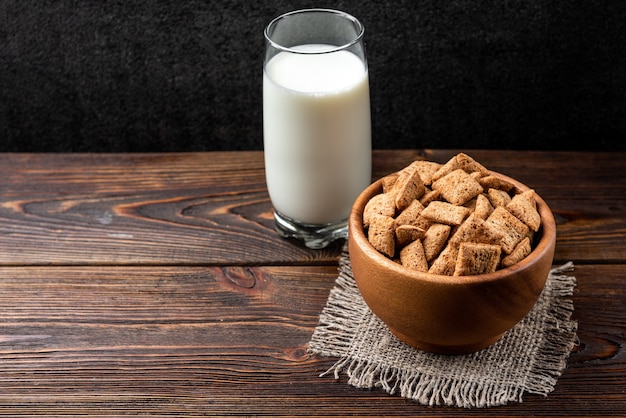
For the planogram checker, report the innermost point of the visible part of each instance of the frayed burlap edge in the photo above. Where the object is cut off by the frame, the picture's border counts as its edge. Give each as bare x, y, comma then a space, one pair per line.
346, 317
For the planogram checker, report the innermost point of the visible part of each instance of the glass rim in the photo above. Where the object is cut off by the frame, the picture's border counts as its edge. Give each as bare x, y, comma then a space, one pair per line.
348, 16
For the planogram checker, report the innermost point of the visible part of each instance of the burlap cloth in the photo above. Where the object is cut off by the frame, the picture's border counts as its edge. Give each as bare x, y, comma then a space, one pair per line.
528, 359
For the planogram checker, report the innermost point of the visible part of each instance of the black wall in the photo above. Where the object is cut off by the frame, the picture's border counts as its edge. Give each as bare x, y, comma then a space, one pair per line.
92, 75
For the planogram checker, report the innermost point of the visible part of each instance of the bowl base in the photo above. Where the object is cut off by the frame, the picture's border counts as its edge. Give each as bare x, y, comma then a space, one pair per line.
447, 349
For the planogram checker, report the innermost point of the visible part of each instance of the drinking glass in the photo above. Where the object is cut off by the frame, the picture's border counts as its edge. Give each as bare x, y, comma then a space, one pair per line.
316, 122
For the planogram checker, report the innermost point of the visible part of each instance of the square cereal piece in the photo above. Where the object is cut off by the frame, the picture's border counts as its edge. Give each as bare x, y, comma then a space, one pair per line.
469, 165
476, 176
412, 256
381, 234
483, 207
429, 196
408, 187
405, 234
422, 222
530, 195
451, 165
388, 181
460, 161
475, 258
445, 263
475, 229
409, 215
458, 187
434, 240
525, 210
426, 169
493, 182
445, 213
513, 230
498, 197
471, 204
381, 204
519, 253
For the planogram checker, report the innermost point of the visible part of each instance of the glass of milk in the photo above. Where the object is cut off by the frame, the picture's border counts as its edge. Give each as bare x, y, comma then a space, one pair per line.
316, 122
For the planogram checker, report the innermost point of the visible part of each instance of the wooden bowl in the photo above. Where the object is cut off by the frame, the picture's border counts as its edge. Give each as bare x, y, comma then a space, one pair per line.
449, 314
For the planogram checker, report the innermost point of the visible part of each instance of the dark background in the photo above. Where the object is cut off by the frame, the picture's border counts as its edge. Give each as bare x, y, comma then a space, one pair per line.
186, 75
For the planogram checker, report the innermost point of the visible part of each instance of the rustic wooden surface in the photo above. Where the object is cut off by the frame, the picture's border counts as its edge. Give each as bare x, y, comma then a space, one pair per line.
154, 284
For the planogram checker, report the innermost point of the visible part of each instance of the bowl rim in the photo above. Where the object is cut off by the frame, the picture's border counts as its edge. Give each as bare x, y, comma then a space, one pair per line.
547, 231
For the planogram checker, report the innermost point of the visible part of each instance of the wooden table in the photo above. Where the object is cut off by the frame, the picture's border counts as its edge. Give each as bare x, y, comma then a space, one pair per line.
155, 284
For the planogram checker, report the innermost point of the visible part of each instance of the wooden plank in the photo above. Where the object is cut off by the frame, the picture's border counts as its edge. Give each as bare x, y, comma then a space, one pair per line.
211, 340
213, 208
165, 209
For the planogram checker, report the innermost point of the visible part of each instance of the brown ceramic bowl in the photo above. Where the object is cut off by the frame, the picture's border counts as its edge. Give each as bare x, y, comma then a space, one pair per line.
449, 314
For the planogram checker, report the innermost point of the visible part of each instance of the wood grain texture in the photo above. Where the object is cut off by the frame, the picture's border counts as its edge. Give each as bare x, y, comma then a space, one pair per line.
200, 208
195, 340
140, 209
154, 284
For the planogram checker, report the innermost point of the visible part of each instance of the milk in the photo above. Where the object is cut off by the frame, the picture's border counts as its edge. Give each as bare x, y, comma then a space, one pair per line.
317, 134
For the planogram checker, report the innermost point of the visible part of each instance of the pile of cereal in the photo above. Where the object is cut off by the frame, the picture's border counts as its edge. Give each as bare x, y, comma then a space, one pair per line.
451, 219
